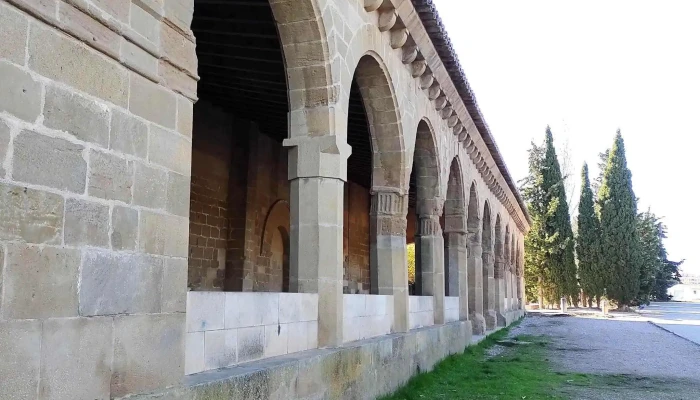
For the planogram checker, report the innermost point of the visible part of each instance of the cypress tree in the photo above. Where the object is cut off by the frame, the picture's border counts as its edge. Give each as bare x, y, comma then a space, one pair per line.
587, 241
618, 226
651, 233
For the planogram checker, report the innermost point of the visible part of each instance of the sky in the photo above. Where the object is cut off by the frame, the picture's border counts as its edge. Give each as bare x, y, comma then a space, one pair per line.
587, 69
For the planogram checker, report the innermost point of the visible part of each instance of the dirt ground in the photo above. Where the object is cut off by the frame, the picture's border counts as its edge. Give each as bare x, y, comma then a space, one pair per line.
630, 357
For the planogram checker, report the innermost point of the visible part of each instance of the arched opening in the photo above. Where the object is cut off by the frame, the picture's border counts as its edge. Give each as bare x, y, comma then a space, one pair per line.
499, 284
474, 265
454, 229
487, 261
507, 276
423, 204
274, 247
374, 167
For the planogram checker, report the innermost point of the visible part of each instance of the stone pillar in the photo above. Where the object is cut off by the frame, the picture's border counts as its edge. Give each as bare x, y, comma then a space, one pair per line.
317, 171
388, 268
456, 234
430, 250
475, 278
500, 289
489, 290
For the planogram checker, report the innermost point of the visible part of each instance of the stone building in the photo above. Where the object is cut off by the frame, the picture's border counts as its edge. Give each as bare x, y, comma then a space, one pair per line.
212, 199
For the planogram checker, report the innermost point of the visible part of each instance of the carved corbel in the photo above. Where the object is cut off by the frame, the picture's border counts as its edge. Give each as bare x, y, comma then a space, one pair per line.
387, 20
372, 5
426, 80
440, 103
399, 38
418, 68
409, 54
434, 91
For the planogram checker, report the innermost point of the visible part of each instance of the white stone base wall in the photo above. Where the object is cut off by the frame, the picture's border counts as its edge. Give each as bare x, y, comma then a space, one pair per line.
420, 311
228, 328
366, 316
451, 308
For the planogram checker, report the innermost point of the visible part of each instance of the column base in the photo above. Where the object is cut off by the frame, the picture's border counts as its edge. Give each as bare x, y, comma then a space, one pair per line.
490, 319
501, 319
478, 324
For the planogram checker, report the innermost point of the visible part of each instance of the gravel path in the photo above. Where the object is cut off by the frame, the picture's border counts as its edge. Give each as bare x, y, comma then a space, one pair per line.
656, 364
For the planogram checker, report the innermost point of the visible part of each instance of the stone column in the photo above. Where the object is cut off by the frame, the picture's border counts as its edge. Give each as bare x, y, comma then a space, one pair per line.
430, 250
489, 290
508, 285
388, 268
456, 234
317, 173
475, 278
500, 286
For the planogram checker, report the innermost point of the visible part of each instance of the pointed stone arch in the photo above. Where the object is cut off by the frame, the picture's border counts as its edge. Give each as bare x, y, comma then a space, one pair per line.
498, 248
473, 216
487, 261
475, 271
455, 233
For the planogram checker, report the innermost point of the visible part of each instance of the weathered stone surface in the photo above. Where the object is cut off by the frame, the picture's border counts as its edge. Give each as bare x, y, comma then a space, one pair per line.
40, 282
220, 348
163, 234
170, 150
251, 343
150, 186
178, 49
205, 311
30, 215
174, 293
13, 36
178, 194
61, 58
86, 224
184, 116
21, 94
20, 346
139, 59
110, 177
47, 161
194, 352
88, 29
117, 9
84, 118
125, 228
4, 142
148, 352
145, 24
152, 102
120, 284
128, 134
76, 358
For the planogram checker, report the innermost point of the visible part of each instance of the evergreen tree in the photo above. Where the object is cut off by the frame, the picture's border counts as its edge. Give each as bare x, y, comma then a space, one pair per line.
665, 278
652, 253
536, 271
602, 163
618, 226
588, 243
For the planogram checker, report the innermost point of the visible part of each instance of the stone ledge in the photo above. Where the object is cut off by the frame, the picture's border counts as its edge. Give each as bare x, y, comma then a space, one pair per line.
363, 369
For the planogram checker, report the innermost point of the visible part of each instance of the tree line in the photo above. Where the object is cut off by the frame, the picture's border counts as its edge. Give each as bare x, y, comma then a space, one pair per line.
615, 251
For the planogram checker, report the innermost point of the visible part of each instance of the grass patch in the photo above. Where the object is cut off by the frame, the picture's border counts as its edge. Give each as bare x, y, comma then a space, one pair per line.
520, 372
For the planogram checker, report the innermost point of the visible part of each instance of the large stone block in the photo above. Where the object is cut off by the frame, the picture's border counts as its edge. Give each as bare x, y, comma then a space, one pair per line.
251, 343
13, 35
220, 348
170, 150
30, 215
251, 309
21, 94
205, 311
64, 59
117, 9
20, 346
163, 234
178, 49
110, 177
86, 224
40, 282
89, 29
76, 358
125, 228
145, 23
82, 117
178, 194
4, 143
114, 283
297, 307
152, 102
185, 116
174, 293
150, 186
148, 352
194, 352
128, 134
276, 340
52, 162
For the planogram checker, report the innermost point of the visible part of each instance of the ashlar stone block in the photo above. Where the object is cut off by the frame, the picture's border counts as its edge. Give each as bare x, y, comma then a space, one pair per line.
205, 311
148, 352
174, 292
178, 202
20, 346
40, 282
84, 118
76, 358
150, 186
163, 234
152, 102
117, 283
276, 337
251, 309
111, 177
30, 215
4, 143
251, 343
194, 352
47, 161
21, 94
220, 348
125, 228
13, 36
87, 223
128, 134
170, 150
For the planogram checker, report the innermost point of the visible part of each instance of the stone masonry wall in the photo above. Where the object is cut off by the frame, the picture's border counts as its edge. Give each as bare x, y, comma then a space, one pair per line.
94, 196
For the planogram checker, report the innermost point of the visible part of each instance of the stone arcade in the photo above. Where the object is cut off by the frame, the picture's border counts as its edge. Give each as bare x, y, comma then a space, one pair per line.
213, 199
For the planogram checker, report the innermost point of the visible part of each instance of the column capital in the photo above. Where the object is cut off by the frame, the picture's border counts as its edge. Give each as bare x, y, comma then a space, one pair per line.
389, 203
318, 157
456, 223
429, 225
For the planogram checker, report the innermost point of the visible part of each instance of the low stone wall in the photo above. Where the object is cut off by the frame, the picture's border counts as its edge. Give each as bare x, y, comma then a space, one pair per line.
366, 316
363, 369
228, 328
420, 311
451, 308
